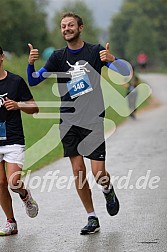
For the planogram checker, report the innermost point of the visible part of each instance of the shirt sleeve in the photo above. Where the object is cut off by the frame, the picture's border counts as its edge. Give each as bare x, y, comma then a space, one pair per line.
24, 93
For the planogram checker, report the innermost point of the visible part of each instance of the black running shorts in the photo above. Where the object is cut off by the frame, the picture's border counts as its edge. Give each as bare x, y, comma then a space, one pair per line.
88, 142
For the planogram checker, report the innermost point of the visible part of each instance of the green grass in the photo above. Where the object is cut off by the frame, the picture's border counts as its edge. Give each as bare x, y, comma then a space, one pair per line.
36, 129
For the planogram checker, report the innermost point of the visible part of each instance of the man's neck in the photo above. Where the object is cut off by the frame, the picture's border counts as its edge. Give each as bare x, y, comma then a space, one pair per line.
3, 73
74, 45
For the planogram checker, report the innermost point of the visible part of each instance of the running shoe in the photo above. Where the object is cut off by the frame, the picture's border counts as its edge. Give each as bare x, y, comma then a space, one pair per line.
112, 203
9, 229
92, 226
31, 205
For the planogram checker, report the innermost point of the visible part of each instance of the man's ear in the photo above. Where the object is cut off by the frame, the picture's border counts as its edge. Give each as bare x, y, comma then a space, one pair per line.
81, 28
2, 57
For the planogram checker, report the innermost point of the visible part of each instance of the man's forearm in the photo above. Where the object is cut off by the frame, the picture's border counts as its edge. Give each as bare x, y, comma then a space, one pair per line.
34, 78
29, 107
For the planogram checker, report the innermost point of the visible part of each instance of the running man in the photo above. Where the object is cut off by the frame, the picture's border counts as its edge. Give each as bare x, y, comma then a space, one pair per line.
78, 67
15, 96
132, 98
142, 60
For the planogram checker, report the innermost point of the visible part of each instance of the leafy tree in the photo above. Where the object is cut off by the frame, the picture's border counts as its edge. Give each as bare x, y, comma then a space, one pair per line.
118, 29
141, 37
22, 22
89, 34
155, 11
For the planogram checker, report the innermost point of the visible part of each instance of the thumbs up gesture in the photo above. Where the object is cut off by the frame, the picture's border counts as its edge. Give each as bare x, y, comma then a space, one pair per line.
107, 46
105, 55
34, 54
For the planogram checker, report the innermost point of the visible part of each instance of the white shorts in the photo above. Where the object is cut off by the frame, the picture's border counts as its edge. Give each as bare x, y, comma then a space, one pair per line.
12, 154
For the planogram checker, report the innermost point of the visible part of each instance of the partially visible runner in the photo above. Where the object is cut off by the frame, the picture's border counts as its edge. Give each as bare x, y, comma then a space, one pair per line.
142, 60
15, 96
132, 98
78, 67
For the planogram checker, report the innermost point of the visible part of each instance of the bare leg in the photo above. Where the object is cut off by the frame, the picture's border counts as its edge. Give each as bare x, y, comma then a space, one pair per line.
13, 177
17, 186
103, 178
84, 192
101, 175
5, 198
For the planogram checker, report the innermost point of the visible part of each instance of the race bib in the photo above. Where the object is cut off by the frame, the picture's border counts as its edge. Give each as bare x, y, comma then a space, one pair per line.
3, 131
79, 86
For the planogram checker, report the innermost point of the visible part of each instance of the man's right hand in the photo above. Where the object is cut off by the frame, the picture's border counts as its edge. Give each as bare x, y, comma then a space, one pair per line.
33, 56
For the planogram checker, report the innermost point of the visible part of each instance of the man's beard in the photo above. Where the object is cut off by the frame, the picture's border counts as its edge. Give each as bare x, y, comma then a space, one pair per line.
74, 38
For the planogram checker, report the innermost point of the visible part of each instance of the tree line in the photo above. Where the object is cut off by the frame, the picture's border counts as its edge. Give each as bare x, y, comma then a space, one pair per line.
21, 22
139, 26
25, 21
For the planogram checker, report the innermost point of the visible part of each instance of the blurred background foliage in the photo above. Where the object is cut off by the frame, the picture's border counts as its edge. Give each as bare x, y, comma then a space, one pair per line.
139, 26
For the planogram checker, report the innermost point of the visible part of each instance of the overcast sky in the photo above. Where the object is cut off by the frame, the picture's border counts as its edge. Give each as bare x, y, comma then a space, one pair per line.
102, 9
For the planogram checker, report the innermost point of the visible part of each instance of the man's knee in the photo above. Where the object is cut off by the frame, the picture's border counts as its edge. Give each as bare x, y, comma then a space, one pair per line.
101, 177
15, 184
79, 170
3, 184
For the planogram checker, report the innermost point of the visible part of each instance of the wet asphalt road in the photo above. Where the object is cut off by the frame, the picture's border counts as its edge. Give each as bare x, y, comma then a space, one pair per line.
137, 155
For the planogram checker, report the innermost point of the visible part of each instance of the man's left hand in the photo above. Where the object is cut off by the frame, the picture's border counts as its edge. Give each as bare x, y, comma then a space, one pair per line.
105, 55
